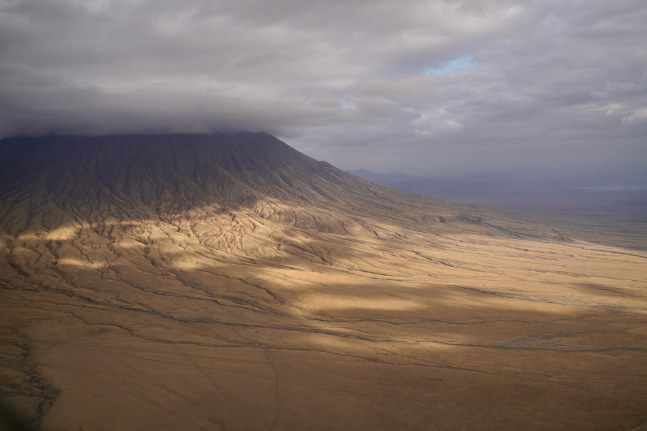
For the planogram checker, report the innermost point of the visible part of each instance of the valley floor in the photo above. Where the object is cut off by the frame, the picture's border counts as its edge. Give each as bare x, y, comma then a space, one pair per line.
257, 325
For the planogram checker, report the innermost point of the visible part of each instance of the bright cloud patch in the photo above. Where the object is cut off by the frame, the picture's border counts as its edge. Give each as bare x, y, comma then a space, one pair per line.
639, 116
435, 122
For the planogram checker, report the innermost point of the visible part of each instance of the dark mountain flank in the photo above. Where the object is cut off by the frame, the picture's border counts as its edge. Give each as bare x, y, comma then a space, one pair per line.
229, 282
145, 176
176, 171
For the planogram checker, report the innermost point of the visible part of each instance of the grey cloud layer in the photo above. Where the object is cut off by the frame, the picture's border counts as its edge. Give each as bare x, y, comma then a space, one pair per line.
553, 86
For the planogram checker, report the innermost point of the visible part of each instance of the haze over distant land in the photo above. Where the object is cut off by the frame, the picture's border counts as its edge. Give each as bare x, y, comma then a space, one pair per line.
613, 202
539, 89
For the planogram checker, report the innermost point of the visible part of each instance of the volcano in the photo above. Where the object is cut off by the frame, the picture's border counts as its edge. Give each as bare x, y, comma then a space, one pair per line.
228, 282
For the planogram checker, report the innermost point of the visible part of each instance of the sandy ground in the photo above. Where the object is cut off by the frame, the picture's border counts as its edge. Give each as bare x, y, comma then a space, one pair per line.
244, 321
228, 282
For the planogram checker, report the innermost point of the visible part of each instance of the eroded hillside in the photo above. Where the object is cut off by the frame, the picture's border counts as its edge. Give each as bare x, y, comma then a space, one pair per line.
230, 282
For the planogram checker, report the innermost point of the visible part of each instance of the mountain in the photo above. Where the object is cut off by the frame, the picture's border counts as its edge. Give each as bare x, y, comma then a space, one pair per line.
171, 175
177, 172
229, 282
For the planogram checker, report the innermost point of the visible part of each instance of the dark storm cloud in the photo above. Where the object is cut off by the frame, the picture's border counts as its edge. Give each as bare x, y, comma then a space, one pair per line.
442, 86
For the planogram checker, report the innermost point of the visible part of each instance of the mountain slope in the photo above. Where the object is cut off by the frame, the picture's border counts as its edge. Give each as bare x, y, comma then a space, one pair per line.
227, 281
170, 174
228, 168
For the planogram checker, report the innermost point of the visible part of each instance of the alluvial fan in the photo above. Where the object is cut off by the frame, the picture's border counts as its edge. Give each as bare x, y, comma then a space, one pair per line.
227, 281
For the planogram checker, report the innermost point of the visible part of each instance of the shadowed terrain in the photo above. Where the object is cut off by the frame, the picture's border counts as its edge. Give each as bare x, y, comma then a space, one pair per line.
228, 282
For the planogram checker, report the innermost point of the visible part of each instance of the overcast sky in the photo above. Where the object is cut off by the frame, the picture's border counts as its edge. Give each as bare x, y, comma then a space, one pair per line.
548, 88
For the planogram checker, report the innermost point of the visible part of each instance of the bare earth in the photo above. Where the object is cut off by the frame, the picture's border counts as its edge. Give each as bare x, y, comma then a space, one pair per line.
273, 316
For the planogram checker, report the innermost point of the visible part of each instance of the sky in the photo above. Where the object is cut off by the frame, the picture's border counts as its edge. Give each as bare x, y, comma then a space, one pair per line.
540, 89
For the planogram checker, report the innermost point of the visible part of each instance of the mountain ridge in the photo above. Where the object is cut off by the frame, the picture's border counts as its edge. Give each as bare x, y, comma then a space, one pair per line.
169, 175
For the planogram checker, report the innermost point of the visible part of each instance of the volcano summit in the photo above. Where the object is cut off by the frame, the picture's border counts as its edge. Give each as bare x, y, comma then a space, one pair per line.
229, 282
